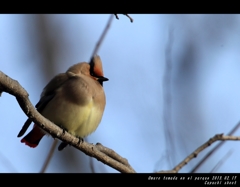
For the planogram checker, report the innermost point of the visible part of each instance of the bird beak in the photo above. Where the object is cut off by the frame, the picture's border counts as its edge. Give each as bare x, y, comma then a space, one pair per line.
102, 79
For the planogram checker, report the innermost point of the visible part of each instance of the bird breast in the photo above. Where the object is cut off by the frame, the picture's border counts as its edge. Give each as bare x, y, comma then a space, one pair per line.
77, 106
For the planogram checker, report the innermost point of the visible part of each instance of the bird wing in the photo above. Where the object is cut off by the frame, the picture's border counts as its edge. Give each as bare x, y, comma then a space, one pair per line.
46, 96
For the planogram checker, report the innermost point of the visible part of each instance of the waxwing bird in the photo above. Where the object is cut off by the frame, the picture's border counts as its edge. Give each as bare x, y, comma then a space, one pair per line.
74, 100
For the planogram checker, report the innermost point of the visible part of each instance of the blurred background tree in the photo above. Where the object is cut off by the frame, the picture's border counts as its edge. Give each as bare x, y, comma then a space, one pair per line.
190, 60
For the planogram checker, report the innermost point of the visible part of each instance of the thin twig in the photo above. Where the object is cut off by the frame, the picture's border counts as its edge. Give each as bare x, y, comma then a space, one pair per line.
131, 19
102, 36
49, 156
113, 154
7, 163
220, 163
214, 149
91, 165
116, 16
167, 98
217, 137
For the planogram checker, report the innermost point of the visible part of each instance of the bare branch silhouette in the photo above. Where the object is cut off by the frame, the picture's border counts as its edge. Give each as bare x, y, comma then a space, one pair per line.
214, 149
131, 19
116, 16
128, 17
217, 137
102, 36
221, 161
167, 97
49, 156
7, 163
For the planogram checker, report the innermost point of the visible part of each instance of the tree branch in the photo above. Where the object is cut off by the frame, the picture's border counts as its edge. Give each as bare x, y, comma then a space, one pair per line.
198, 150
235, 128
101, 153
220, 163
95, 51
131, 19
49, 156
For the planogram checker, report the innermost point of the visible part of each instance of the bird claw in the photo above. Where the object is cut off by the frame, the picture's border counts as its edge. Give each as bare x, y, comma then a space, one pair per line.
80, 140
62, 146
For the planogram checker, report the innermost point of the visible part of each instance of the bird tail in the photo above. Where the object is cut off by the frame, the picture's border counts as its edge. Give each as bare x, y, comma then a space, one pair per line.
33, 138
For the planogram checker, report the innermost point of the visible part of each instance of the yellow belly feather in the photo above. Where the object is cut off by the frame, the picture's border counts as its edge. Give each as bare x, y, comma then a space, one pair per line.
78, 120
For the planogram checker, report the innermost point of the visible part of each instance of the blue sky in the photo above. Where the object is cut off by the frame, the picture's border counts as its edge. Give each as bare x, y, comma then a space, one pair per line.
203, 85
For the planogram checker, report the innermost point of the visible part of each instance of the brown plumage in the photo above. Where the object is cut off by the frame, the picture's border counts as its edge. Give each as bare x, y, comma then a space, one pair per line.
74, 100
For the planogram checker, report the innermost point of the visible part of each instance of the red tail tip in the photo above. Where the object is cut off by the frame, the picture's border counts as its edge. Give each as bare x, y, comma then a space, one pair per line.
33, 138
32, 145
